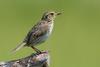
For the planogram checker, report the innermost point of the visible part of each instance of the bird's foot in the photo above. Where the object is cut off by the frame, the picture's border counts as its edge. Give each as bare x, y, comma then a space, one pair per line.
37, 50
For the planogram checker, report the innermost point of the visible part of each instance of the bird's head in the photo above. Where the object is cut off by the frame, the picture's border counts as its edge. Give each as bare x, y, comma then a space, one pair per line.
50, 16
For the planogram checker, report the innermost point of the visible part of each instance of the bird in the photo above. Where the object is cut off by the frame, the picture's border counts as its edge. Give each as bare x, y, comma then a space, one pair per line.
40, 32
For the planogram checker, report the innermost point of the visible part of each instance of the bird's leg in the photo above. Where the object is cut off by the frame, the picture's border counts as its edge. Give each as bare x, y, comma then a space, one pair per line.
37, 50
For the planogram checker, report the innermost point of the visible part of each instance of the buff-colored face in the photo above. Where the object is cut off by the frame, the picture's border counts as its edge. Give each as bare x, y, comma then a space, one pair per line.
50, 15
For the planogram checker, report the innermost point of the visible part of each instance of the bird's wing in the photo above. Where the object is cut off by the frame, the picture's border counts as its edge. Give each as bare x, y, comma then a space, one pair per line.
37, 31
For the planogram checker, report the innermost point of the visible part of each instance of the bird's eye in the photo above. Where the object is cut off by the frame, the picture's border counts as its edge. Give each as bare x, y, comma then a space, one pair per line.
52, 13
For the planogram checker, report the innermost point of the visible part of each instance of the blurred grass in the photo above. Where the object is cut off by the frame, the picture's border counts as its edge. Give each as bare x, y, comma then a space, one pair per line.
75, 39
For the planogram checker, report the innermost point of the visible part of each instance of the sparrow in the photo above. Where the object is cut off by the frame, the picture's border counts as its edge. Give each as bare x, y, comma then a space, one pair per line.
39, 32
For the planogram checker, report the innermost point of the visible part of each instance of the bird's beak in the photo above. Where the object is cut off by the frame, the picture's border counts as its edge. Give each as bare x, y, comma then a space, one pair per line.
59, 13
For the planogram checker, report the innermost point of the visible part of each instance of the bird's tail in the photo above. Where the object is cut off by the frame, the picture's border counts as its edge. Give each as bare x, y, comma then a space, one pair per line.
18, 47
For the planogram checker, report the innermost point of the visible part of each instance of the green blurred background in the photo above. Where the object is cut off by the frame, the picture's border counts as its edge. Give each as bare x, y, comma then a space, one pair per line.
75, 41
